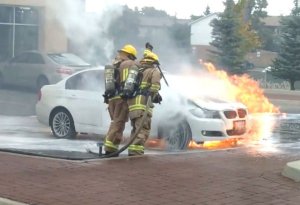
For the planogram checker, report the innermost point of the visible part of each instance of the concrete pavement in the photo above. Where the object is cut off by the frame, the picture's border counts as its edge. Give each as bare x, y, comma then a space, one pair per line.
236, 176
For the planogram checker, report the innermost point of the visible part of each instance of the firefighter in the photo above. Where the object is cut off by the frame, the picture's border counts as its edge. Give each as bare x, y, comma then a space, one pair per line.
148, 86
117, 106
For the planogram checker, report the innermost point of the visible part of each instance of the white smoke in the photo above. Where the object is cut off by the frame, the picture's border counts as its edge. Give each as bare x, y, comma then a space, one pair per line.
87, 30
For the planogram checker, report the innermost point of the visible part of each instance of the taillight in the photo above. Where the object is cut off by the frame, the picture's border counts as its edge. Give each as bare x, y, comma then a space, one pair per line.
64, 70
39, 95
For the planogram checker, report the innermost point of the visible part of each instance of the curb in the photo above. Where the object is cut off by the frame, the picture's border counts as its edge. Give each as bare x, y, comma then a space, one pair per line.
292, 171
4, 201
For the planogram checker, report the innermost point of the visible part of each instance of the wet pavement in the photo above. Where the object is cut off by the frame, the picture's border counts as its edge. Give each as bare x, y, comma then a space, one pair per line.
25, 135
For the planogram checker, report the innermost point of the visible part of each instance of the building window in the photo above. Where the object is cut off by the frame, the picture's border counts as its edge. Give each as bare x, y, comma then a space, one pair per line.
26, 15
6, 14
26, 38
6, 42
19, 30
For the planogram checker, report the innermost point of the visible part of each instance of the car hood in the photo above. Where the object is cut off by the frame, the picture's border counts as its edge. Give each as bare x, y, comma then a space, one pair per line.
219, 105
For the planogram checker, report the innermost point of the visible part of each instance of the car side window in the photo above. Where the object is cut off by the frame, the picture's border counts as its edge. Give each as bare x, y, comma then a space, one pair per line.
89, 81
35, 58
20, 58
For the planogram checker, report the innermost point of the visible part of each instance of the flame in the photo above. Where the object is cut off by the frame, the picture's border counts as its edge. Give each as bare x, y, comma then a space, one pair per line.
245, 90
215, 144
236, 88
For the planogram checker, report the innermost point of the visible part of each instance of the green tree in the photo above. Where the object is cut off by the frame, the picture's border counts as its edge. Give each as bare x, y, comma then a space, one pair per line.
207, 11
247, 9
227, 40
287, 63
180, 34
125, 28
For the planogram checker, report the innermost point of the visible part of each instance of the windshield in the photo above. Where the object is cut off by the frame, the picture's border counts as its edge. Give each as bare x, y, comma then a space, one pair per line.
67, 59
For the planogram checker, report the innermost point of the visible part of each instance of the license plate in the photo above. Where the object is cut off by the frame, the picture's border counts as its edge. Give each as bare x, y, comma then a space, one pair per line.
239, 125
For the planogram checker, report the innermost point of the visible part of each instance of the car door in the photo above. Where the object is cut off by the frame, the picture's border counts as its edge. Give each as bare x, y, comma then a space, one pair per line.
11, 69
85, 99
29, 71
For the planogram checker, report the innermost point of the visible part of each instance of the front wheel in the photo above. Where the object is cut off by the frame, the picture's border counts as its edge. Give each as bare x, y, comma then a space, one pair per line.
177, 136
62, 124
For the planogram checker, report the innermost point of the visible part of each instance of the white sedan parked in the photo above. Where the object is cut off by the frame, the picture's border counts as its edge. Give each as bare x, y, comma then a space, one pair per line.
75, 105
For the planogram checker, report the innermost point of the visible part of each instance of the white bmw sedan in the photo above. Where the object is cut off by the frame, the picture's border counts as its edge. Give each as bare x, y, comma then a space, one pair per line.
75, 105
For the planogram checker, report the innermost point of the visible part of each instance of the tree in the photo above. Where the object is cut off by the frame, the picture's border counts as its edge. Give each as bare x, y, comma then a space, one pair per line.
152, 12
180, 33
125, 28
207, 11
287, 63
227, 40
246, 9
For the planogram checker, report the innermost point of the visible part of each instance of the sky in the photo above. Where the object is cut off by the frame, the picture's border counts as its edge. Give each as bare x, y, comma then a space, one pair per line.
185, 8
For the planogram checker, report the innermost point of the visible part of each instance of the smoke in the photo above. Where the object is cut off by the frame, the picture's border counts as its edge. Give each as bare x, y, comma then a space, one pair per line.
193, 83
87, 32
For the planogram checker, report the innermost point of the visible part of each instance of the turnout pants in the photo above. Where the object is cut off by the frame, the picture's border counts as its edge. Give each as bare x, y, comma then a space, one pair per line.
137, 107
118, 111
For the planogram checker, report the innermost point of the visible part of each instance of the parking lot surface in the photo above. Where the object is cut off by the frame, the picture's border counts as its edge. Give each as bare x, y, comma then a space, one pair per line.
234, 176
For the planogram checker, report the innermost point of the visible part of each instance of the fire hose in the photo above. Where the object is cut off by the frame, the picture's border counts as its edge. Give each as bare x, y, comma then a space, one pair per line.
134, 136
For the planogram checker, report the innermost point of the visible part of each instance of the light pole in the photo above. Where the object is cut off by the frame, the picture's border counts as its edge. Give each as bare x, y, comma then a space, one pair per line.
266, 70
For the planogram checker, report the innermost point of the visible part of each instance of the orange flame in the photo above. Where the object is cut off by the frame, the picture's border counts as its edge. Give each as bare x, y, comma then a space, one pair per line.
247, 91
215, 144
241, 89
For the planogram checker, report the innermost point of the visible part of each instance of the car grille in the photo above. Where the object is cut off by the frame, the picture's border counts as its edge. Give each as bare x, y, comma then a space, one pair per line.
230, 114
236, 132
242, 113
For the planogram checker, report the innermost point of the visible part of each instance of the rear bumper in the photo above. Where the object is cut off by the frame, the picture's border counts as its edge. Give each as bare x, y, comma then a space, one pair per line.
42, 113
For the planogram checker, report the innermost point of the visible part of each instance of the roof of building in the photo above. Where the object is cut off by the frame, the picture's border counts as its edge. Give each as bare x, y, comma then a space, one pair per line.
202, 18
161, 21
273, 21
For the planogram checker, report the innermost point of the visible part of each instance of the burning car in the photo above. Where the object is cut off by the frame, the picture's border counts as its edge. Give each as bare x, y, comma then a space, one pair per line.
75, 105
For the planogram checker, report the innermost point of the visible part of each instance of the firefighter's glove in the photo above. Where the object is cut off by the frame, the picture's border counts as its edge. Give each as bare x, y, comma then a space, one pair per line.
156, 98
149, 46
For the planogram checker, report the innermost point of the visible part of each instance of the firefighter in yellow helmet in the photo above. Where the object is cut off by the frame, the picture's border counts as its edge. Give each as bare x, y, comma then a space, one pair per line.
117, 107
149, 85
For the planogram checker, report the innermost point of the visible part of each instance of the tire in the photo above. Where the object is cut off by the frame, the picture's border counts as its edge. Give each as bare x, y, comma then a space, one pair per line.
62, 124
40, 82
177, 136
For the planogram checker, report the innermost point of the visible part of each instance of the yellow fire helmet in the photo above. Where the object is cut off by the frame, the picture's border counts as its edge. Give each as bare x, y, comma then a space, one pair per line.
130, 49
150, 55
